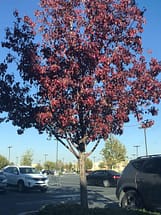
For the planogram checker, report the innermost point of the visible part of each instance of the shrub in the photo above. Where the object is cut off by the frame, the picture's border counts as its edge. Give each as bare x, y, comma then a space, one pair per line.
76, 209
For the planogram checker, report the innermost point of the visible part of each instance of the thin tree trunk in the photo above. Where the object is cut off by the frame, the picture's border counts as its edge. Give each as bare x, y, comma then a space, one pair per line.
83, 181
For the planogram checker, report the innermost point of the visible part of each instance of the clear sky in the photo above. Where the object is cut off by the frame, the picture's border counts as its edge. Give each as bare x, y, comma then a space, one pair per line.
39, 144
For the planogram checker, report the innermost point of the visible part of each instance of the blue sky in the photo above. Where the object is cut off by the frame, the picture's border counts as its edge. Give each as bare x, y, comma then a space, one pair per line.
39, 144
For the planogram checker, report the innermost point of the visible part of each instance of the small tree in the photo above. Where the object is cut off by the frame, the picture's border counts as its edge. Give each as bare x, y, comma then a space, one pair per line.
113, 153
88, 164
27, 158
102, 165
3, 161
49, 165
39, 167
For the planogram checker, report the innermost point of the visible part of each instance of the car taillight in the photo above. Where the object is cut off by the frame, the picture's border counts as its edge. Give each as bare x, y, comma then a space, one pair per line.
116, 177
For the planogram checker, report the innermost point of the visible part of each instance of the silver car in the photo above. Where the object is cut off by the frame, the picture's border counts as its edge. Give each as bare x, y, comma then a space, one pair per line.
3, 182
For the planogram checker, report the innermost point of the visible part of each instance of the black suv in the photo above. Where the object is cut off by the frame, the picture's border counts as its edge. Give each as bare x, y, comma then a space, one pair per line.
140, 184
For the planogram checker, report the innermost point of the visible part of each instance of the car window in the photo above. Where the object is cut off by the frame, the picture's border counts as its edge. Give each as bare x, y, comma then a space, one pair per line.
101, 173
112, 172
12, 170
15, 170
28, 170
95, 173
138, 163
153, 166
8, 170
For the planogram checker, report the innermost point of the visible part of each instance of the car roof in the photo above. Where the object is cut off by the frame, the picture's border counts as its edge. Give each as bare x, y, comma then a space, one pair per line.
23, 166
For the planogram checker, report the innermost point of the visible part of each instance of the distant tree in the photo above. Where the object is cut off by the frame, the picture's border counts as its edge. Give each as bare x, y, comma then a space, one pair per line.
113, 153
39, 167
49, 165
101, 165
69, 167
88, 164
83, 72
3, 161
27, 158
59, 165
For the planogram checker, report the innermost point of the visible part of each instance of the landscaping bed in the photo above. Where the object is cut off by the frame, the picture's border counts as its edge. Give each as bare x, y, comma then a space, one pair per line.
69, 209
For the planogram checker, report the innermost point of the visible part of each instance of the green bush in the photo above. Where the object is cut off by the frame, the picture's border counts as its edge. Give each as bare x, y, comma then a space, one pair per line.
70, 209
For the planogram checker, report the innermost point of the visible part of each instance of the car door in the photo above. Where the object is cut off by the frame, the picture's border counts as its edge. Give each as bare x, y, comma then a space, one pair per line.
11, 174
149, 182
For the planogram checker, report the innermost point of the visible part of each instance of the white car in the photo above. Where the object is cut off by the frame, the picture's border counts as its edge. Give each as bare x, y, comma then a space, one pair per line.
25, 177
3, 182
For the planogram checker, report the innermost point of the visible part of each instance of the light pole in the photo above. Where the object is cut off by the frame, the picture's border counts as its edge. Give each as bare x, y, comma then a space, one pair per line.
137, 146
45, 155
94, 157
56, 154
17, 160
146, 124
145, 140
9, 148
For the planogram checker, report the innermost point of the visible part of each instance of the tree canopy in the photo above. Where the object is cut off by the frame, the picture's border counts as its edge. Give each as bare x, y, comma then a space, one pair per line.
3, 161
27, 158
113, 153
82, 69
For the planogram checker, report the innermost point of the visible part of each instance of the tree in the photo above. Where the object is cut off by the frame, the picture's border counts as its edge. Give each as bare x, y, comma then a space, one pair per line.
49, 165
113, 153
27, 158
83, 73
88, 164
39, 166
3, 161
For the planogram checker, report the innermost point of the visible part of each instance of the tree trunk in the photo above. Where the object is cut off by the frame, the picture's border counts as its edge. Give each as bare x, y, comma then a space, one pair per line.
83, 181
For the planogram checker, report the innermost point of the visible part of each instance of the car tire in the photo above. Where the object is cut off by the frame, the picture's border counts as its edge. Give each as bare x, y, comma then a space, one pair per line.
130, 200
106, 183
21, 186
43, 190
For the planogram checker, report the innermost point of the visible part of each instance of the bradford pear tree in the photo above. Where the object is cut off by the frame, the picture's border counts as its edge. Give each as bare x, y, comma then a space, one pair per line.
83, 72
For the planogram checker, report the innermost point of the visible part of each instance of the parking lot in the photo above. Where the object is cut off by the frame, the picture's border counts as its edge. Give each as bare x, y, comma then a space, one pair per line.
64, 189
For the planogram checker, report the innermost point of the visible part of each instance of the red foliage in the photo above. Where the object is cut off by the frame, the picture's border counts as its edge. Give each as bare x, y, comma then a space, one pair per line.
88, 66
92, 78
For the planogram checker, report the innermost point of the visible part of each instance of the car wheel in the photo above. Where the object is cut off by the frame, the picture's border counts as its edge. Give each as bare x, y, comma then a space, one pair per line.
130, 200
43, 190
106, 183
21, 186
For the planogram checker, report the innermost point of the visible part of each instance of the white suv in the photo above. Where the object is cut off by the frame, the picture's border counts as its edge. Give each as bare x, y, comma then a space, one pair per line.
25, 177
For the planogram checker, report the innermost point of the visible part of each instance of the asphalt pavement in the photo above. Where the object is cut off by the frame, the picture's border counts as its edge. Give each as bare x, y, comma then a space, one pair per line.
64, 189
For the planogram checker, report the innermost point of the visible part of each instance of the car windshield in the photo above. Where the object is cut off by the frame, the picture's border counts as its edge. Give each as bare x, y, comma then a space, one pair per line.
28, 170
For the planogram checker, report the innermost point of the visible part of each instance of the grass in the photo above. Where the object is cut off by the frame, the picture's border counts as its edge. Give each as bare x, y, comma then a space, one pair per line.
75, 209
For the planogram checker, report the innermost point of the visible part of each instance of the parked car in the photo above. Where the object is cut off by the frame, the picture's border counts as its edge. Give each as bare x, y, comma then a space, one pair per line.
140, 184
106, 178
3, 182
25, 177
47, 172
